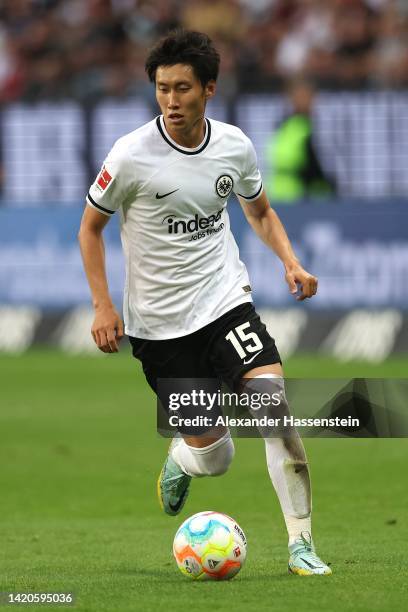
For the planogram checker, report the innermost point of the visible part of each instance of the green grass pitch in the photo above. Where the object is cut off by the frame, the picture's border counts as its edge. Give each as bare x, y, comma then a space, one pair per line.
79, 457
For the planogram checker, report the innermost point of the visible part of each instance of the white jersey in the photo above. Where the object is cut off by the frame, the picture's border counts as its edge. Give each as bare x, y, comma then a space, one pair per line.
182, 263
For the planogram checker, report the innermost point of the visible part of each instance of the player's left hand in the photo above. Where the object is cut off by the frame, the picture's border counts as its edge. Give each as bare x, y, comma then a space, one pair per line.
301, 282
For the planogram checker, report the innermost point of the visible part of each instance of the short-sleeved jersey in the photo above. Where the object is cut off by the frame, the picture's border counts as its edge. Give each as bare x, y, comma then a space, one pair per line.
182, 263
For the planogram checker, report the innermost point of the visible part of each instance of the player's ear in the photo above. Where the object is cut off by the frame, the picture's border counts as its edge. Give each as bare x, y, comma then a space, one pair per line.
209, 89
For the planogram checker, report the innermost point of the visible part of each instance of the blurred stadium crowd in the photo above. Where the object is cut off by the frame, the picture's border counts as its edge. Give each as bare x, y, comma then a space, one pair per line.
87, 49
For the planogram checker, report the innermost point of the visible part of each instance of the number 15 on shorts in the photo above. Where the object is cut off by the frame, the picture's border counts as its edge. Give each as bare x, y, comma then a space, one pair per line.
244, 342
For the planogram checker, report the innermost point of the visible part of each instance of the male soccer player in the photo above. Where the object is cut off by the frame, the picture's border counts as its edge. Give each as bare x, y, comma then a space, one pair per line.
187, 305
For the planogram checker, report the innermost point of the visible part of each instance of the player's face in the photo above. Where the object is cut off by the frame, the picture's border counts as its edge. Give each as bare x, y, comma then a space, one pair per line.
181, 97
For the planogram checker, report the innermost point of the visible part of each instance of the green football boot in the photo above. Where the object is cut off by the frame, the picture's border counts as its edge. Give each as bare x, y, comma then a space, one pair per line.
173, 484
303, 560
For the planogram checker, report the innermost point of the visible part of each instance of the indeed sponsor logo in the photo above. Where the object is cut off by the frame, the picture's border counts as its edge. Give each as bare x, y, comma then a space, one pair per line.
196, 223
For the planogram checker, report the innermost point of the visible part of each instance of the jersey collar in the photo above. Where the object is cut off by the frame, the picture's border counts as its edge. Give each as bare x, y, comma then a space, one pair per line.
162, 129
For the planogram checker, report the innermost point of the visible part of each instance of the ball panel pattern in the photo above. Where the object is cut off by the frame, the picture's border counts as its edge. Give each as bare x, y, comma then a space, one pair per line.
210, 546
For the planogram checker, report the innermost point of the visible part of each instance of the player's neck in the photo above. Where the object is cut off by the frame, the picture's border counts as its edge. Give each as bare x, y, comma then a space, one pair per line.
190, 137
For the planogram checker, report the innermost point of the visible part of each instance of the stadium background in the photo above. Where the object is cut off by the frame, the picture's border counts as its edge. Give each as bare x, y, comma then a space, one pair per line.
71, 82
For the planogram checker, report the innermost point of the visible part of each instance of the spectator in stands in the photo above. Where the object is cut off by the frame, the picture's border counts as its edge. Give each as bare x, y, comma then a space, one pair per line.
12, 75
391, 50
354, 33
258, 66
223, 19
295, 170
310, 30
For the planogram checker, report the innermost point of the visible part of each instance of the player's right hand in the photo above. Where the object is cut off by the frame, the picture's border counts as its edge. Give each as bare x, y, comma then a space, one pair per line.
107, 329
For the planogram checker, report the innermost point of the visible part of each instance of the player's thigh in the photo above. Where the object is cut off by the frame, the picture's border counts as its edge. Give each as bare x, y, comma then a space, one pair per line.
175, 358
273, 368
241, 345
177, 372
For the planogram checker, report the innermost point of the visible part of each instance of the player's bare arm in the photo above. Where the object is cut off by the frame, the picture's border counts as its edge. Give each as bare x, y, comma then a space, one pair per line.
267, 225
107, 328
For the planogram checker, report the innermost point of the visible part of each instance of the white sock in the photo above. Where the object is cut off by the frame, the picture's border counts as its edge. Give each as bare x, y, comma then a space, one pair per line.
211, 460
289, 473
290, 477
296, 526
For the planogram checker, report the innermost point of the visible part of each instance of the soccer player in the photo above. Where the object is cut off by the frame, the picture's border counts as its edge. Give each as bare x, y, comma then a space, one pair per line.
187, 306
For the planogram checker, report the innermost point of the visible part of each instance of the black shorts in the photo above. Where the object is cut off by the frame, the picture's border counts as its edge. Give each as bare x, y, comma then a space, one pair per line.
225, 349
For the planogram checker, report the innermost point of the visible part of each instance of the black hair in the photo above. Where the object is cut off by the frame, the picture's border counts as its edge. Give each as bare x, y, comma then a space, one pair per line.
185, 47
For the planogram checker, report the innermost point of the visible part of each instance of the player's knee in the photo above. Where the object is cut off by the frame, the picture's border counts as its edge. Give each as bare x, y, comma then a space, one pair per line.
215, 459
266, 399
223, 457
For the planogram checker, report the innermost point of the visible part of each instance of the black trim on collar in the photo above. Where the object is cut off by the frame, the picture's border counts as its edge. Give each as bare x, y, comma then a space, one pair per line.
90, 198
253, 196
205, 143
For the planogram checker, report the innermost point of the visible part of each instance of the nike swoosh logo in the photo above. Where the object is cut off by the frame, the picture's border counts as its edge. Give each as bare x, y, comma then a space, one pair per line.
246, 361
159, 197
177, 506
309, 564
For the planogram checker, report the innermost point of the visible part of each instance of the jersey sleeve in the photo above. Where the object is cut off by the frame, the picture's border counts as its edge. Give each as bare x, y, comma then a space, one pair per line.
249, 186
112, 184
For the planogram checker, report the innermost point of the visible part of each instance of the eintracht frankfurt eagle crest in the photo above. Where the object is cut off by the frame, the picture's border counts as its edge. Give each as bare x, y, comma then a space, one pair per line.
223, 185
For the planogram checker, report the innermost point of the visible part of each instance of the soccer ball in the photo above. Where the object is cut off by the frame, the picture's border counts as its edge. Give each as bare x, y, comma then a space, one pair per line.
210, 546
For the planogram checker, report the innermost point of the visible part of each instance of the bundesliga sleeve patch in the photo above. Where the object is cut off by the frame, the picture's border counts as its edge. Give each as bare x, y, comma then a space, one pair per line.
104, 178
